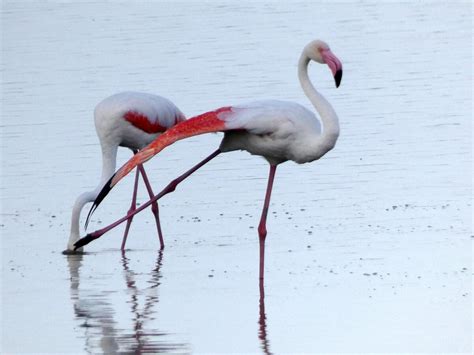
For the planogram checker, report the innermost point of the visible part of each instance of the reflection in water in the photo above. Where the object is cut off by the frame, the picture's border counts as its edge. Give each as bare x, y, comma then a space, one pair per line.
96, 313
262, 321
141, 336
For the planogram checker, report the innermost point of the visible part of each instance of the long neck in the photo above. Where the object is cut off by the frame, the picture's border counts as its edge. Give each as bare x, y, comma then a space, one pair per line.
109, 162
76, 213
326, 112
109, 159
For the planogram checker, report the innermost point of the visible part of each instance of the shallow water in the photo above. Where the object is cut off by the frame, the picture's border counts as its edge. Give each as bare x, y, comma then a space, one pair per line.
369, 249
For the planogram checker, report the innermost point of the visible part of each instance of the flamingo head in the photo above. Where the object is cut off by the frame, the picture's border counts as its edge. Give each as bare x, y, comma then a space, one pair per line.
320, 52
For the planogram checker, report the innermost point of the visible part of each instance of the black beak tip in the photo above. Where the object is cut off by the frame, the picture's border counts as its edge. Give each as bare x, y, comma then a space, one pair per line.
78, 244
338, 77
100, 197
84, 241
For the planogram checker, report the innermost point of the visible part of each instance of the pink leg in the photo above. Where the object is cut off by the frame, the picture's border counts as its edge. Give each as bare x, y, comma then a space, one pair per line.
133, 207
262, 228
154, 205
169, 188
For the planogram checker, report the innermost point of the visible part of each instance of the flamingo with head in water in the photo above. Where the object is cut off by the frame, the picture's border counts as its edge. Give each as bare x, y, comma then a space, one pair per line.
276, 130
132, 120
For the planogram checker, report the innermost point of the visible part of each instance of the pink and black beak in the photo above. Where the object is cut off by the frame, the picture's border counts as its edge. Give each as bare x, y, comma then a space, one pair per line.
334, 64
338, 77
100, 197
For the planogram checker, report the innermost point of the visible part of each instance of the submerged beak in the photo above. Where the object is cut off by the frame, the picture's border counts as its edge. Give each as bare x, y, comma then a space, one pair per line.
334, 64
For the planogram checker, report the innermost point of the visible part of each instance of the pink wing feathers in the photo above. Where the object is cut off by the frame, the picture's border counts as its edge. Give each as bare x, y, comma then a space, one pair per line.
204, 123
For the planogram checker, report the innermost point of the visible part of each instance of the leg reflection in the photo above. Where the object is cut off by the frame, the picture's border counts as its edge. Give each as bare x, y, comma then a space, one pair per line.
262, 321
151, 300
94, 314
94, 299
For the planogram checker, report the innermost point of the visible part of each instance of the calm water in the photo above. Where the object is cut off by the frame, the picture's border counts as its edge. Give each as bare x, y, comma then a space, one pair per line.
369, 249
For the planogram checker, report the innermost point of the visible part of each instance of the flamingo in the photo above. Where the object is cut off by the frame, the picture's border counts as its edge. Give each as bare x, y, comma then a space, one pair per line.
276, 130
132, 120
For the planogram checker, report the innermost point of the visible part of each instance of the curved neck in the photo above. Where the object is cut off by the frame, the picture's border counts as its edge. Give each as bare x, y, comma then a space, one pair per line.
109, 160
326, 112
76, 213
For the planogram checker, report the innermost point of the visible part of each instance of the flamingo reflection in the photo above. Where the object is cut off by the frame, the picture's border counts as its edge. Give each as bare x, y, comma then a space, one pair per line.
96, 313
262, 321
97, 317
140, 317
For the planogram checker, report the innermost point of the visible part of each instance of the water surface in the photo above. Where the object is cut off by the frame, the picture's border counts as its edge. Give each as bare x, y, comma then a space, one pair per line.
369, 249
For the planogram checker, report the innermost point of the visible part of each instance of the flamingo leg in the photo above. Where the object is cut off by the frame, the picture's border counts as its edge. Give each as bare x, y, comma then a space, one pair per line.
154, 206
133, 207
173, 184
262, 227
169, 188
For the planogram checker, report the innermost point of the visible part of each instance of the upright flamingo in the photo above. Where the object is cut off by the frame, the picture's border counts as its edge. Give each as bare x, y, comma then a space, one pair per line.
132, 120
276, 130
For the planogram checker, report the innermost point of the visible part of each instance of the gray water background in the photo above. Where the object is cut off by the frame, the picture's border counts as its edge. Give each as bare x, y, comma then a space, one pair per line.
369, 249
